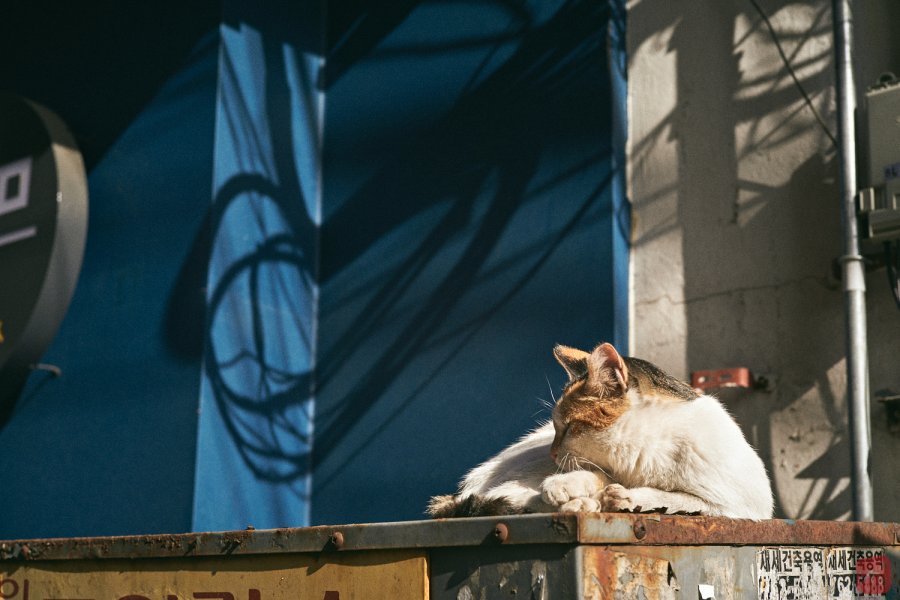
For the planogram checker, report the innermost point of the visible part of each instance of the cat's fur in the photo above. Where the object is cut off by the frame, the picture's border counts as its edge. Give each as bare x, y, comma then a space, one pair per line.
624, 437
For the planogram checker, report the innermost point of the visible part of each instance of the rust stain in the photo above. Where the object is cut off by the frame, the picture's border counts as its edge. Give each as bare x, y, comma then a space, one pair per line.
692, 530
561, 524
729, 531
612, 574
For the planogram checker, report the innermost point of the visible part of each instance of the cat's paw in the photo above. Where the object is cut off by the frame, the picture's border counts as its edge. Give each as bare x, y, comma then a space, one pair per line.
617, 498
581, 505
557, 490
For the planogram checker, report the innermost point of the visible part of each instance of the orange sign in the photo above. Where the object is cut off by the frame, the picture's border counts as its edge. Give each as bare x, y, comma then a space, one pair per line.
398, 575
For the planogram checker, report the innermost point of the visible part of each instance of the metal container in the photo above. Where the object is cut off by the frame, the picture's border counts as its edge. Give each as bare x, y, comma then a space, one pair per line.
539, 557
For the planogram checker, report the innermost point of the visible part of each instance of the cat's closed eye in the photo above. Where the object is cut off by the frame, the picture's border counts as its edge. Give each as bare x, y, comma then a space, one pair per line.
573, 428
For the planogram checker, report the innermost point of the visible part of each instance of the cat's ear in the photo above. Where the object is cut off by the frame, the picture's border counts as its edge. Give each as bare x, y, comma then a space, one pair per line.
607, 367
574, 361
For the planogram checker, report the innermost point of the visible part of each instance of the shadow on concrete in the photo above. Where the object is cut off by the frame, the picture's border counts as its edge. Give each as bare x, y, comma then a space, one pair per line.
767, 308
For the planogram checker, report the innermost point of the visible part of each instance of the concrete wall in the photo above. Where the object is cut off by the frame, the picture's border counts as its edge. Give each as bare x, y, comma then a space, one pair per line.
736, 222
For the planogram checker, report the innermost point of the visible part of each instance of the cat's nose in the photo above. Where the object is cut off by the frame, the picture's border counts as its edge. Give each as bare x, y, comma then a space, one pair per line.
553, 453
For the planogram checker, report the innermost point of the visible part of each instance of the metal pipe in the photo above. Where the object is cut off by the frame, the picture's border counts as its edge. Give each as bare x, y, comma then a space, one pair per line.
853, 272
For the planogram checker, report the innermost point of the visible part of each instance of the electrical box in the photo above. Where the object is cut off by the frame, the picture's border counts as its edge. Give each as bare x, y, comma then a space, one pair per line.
879, 198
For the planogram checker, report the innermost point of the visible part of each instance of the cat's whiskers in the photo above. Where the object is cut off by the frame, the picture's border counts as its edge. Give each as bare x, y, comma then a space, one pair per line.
568, 463
560, 464
550, 387
583, 461
547, 405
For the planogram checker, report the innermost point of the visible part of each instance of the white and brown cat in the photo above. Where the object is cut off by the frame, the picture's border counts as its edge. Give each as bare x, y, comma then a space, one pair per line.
624, 437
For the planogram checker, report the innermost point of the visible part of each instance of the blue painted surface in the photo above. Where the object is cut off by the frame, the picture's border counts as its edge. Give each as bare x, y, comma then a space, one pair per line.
108, 448
256, 398
373, 240
468, 227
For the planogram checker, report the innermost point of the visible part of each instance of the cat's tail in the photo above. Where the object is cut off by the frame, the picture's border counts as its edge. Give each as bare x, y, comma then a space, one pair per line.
450, 507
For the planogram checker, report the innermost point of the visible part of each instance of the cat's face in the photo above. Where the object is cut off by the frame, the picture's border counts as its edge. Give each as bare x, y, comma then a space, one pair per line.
602, 387
595, 397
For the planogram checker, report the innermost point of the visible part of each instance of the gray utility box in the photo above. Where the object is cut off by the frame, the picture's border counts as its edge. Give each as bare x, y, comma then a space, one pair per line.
879, 200
540, 557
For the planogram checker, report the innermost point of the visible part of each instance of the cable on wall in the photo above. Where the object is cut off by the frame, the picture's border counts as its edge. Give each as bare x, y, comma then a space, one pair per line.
792, 73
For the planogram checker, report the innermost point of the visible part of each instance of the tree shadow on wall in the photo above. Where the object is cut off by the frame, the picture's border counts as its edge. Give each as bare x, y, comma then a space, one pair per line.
745, 300
832, 499
482, 158
489, 143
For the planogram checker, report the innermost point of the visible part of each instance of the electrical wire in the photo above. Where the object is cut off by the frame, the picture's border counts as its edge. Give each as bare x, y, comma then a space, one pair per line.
891, 248
792, 73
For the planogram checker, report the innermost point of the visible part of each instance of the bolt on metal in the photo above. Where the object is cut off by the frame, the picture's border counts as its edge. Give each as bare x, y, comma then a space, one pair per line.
337, 540
501, 532
640, 529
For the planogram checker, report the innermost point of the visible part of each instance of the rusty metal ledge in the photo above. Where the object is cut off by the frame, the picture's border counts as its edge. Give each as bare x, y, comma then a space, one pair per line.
521, 529
600, 528
650, 529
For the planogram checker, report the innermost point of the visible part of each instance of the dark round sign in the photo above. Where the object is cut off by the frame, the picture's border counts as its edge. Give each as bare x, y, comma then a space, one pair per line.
43, 224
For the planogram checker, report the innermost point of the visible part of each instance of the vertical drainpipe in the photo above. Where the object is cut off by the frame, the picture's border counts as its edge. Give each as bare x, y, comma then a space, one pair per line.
853, 273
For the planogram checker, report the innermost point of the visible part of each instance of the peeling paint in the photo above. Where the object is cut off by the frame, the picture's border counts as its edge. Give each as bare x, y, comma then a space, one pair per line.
619, 575
719, 572
539, 580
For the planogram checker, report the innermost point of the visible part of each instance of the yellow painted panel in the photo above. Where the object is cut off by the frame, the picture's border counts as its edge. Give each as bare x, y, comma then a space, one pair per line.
398, 575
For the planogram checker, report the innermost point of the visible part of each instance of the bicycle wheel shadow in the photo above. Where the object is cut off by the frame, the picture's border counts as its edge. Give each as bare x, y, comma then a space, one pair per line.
244, 297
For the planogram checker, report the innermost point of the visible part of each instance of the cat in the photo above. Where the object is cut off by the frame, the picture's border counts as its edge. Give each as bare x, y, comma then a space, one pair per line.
624, 436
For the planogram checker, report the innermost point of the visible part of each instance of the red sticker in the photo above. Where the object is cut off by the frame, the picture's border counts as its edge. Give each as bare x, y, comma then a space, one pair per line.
873, 575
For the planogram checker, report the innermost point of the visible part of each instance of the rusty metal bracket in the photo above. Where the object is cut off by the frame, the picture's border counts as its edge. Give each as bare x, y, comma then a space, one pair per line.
736, 377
